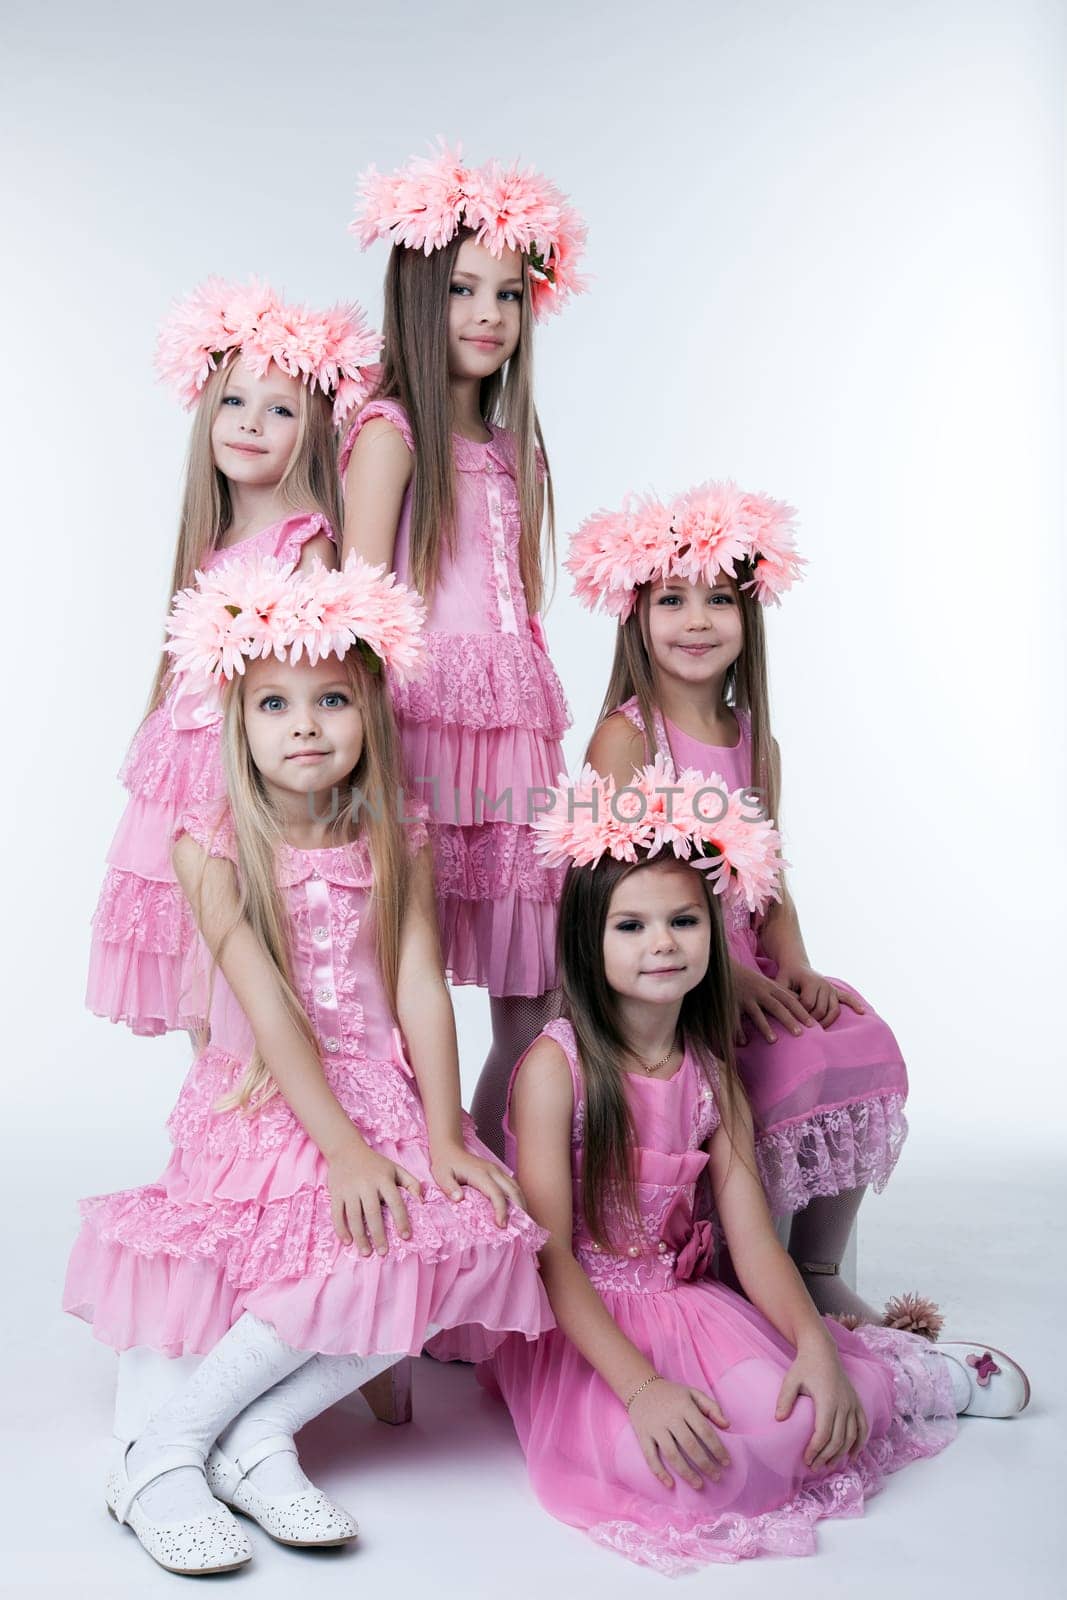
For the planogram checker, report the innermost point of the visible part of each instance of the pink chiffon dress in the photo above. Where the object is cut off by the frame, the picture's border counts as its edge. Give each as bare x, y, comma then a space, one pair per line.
142, 928
829, 1105
240, 1219
481, 728
584, 1460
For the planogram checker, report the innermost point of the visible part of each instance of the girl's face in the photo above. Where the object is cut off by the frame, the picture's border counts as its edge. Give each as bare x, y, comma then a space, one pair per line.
657, 938
256, 426
695, 632
304, 727
484, 309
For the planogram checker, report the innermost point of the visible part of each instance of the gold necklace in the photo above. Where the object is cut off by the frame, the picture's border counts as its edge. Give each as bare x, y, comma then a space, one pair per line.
648, 1068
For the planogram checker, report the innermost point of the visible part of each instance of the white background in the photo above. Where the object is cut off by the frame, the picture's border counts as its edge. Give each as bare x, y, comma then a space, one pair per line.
827, 242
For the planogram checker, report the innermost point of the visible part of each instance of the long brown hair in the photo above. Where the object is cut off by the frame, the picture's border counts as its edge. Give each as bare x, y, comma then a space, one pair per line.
309, 483
745, 689
707, 1022
374, 806
415, 373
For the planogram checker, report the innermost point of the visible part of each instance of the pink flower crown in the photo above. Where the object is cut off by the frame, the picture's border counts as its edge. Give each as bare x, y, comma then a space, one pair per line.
423, 204
243, 610
696, 817
334, 350
695, 536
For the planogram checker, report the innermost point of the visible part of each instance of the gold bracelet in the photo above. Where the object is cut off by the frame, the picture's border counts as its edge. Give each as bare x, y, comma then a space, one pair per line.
641, 1387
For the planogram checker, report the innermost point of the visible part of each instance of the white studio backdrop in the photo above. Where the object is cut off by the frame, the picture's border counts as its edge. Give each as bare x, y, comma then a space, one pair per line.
827, 245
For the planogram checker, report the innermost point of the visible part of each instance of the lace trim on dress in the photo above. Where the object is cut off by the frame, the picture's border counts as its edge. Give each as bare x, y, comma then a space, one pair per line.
843, 1148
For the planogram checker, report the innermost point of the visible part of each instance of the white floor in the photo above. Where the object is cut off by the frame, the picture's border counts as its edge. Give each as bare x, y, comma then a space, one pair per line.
444, 1504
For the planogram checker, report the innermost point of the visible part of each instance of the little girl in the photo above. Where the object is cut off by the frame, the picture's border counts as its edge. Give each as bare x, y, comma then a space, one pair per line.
325, 1208
260, 481
446, 481
615, 1113
688, 581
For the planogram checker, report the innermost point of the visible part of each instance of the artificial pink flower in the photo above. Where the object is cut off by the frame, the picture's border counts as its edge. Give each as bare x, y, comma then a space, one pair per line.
422, 206
590, 818
204, 331
248, 610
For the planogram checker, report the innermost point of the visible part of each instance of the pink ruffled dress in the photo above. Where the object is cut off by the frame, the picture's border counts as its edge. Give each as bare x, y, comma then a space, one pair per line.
142, 927
829, 1105
481, 728
585, 1463
240, 1219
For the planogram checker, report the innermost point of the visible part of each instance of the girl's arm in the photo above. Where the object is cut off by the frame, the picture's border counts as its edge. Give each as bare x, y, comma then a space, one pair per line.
428, 1023
616, 748
774, 1286
376, 482
781, 938
321, 549
360, 1180
670, 1419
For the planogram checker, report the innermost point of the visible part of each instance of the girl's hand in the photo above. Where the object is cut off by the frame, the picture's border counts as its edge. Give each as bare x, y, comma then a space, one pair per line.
822, 999
361, 1182
455, 1166
672, 1425
760, 998
840, 1424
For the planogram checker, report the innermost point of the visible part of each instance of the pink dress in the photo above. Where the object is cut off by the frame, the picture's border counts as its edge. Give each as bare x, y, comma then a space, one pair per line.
240, 1219
142, 926
585, 1463
829, 1105
481, 728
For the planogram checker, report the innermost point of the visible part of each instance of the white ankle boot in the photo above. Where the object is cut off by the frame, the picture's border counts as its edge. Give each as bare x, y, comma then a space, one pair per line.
306, 1519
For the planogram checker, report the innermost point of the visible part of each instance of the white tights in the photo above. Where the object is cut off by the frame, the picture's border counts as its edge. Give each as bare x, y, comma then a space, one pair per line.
251, 1385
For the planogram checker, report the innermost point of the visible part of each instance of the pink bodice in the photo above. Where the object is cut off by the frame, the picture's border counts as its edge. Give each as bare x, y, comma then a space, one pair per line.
673, 1118
332, 949
488, 665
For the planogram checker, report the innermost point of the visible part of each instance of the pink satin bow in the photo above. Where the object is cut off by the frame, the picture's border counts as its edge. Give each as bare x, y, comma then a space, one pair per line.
195, 705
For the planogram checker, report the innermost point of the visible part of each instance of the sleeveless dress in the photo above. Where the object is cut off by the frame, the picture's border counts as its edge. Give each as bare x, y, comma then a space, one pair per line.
240, 1219
584, 1460
481, 728
829, 1105
142, 928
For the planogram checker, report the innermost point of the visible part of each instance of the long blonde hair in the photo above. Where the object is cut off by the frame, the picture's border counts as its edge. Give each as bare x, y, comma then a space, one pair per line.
309, 483
375, 807
745, 689
415, 373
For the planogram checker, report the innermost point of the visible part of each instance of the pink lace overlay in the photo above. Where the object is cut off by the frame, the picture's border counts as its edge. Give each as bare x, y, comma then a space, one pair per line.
241, 1217
481, 863
848, 1147
653, 1281
143, 934
484, 718
487, 680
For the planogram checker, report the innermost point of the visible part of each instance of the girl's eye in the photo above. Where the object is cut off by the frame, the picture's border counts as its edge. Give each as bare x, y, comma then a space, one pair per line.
459, 288
283, 411
722, 599
231, 400
271, 702
685, 921
630, 926
669, 600
511, 294
334, 699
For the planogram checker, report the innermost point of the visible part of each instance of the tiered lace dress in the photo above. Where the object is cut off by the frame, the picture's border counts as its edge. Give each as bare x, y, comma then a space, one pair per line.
584, 1459
481, 728
829, 1104
240, 1219
142, 927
